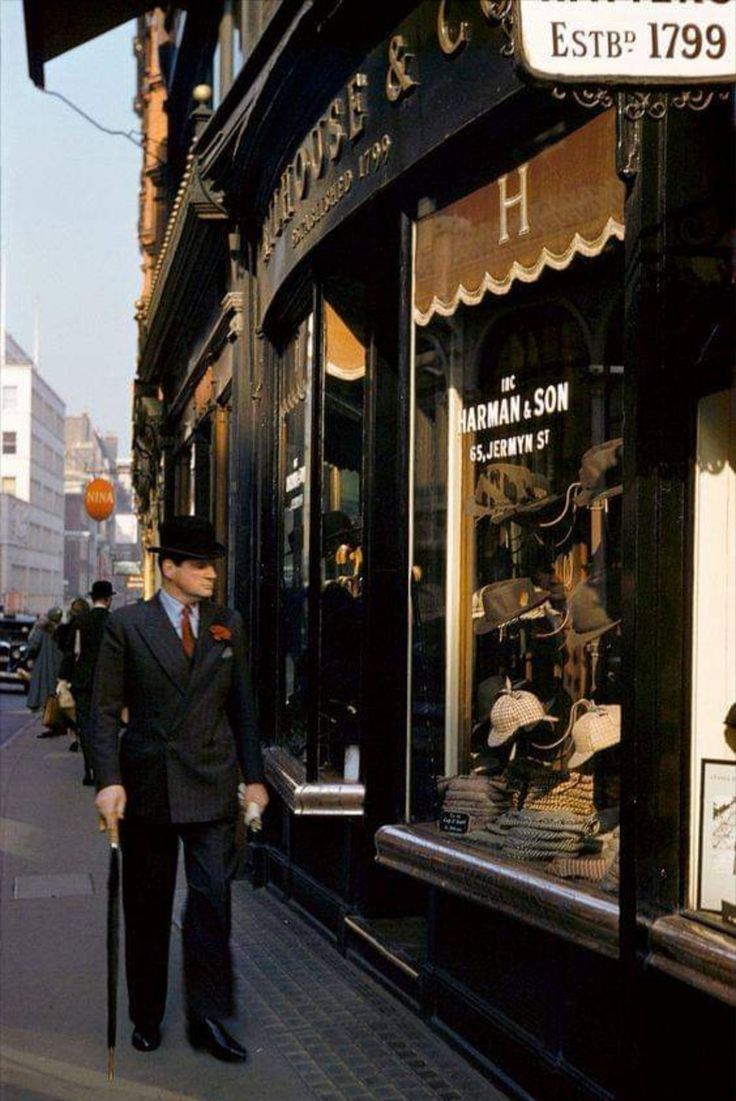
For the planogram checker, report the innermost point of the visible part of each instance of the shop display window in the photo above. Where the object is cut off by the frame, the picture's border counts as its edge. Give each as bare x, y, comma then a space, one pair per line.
341, 551
322, 623
517, 490
295, 412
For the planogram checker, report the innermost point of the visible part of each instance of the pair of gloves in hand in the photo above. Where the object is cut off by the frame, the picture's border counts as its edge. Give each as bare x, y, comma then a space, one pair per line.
251, 811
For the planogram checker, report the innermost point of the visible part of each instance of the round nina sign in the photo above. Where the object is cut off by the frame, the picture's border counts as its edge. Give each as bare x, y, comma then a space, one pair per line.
99, 499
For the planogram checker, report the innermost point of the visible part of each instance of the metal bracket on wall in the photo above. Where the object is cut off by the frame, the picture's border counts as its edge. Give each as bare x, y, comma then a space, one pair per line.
502, 12
632, 104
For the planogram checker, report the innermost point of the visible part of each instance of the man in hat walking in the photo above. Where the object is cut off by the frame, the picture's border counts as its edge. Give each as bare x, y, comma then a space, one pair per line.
80, 660
178, 664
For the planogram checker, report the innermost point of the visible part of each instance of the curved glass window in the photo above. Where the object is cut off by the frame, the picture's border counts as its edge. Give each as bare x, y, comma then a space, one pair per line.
517, 485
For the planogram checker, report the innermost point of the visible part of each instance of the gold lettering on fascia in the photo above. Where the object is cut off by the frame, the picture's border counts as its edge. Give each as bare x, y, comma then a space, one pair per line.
399, 81
332, 196
357, 109
508, 202
451, 39
344, 120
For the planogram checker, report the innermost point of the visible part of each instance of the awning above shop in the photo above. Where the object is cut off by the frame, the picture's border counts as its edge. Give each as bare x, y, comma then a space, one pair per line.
565, 202
54, 29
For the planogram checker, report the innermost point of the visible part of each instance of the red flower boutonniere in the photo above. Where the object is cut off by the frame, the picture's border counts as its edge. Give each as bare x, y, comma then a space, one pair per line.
220, 633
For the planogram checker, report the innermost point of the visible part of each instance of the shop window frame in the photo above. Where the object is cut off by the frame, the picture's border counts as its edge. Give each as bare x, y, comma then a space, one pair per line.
303, 784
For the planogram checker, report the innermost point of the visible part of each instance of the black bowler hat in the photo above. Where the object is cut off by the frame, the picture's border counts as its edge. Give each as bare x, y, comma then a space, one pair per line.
189, 537
102, 590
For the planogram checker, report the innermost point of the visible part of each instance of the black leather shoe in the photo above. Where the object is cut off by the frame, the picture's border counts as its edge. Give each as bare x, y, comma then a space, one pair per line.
209, 1034
146, 1037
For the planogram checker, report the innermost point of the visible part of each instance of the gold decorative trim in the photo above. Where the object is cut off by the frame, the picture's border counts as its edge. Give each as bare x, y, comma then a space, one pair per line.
578, 246
169, 231
381, 948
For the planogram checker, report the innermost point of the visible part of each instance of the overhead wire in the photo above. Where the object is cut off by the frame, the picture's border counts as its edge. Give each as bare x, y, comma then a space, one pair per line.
132, 136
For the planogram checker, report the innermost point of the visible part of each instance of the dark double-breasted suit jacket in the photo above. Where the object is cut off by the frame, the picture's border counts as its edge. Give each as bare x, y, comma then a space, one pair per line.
189, 723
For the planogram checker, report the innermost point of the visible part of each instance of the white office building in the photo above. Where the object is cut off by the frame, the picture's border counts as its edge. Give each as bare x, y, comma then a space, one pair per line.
31, 485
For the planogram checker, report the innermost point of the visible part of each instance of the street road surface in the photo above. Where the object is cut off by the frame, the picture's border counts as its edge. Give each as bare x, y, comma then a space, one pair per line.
14, 714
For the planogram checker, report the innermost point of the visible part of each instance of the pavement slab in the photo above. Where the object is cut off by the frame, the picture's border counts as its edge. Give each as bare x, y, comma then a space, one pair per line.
315, 1025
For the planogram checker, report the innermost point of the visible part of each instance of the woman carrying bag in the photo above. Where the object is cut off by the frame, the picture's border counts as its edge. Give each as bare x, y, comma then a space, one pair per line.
43, 647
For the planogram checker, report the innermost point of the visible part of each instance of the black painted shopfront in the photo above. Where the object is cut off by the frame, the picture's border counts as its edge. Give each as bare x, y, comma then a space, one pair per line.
479, 396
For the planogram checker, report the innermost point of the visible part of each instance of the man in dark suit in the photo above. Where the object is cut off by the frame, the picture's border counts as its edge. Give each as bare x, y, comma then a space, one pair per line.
80, 660
178, 664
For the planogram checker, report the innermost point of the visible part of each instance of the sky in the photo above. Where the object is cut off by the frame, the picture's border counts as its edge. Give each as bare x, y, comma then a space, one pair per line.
69, 210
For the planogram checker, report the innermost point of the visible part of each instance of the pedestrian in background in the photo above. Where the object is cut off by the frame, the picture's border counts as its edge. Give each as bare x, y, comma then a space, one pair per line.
80, 660
44, 649
178, 663
65, 638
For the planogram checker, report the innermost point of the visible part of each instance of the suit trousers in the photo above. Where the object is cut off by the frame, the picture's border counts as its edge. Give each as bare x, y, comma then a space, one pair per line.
84, 727
150, 855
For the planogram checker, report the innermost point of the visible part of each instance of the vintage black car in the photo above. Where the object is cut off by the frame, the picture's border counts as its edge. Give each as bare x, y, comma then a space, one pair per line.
14, 661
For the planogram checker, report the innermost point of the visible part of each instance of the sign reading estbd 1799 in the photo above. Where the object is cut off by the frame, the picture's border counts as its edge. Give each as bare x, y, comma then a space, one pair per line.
628, 41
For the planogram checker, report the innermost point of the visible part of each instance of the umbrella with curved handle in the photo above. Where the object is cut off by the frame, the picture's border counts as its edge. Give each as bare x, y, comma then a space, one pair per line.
113, 939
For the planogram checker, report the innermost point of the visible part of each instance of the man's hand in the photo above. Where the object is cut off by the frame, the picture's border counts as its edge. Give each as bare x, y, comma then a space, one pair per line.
254, 793
110, 803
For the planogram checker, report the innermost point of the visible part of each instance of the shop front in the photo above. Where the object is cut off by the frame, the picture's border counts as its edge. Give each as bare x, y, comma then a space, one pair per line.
482, 484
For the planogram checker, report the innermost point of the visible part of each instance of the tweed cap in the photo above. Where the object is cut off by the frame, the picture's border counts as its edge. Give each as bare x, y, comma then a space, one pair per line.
512, 710
597, 729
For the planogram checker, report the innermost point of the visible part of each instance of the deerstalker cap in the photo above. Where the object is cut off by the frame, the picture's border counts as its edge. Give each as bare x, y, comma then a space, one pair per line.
597, 729
512, 710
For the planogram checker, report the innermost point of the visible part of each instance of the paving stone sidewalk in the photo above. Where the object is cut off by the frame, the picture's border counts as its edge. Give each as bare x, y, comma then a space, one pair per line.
341, 1031
316, 1026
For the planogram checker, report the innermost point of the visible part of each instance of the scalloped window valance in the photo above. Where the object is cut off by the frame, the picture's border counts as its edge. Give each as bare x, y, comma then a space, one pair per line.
565, 202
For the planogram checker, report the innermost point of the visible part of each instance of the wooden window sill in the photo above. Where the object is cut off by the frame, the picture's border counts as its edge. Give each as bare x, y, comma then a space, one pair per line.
587, 917
695, 953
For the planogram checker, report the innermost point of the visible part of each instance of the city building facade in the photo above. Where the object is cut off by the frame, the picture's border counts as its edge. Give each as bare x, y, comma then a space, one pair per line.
32, 487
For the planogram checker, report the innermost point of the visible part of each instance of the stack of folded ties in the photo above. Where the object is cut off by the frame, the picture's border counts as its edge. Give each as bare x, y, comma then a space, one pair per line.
482, 798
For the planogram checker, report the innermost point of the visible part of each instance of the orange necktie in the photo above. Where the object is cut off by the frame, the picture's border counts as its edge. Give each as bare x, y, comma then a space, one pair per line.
187, 635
